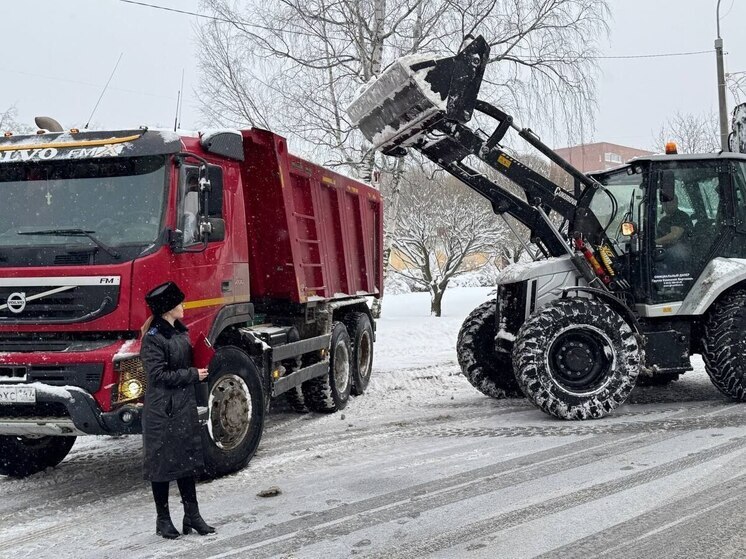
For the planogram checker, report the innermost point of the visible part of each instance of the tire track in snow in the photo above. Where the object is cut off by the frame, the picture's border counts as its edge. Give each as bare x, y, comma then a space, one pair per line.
632, 535
489, 528
414, 500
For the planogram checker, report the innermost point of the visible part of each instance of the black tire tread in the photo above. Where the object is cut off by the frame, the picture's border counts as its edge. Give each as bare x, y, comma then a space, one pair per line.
492, 376
724, 345
530, 349
353, 322
19, 460
319, 393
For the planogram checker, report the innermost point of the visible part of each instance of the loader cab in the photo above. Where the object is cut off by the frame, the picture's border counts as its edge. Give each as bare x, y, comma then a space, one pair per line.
686, 209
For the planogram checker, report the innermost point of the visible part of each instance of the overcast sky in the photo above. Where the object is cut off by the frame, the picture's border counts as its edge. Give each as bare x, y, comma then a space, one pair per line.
60, 53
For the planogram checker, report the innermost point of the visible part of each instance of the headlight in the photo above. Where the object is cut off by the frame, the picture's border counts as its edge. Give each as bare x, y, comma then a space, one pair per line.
132, 380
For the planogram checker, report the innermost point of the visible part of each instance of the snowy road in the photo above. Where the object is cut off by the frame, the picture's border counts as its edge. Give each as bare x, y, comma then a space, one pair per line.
423, 466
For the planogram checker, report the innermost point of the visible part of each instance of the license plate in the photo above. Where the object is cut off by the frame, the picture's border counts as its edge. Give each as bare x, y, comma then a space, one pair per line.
17, 395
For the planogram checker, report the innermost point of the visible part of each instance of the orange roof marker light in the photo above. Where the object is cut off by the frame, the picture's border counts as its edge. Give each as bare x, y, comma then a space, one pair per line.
671, 148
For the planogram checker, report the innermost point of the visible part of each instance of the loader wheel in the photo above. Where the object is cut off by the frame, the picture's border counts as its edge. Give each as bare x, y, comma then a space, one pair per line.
361, 338
331, 392
576, 358
725, 345
236, 410
23, 456
488, 371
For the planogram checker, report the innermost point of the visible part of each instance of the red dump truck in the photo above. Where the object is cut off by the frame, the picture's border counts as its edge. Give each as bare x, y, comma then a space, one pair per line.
277, 258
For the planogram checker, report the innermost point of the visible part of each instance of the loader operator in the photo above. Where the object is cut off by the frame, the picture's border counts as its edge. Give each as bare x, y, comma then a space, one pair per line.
673, 232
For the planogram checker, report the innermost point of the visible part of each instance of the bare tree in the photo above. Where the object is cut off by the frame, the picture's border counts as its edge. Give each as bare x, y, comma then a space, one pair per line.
295, 65
9, 122
692, 133
444, 230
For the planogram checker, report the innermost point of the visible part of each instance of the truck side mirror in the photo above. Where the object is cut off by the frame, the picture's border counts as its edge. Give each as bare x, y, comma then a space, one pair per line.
217, 229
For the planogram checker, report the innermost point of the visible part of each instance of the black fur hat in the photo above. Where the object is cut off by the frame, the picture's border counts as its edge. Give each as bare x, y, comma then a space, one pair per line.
163, 298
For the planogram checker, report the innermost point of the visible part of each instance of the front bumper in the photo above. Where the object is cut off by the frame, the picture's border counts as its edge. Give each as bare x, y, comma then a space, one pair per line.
79, 415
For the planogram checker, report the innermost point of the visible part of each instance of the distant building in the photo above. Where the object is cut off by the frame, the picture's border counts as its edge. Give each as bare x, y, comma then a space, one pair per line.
599, 156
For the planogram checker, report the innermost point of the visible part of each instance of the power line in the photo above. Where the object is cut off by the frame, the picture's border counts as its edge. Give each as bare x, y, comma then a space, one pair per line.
226, 20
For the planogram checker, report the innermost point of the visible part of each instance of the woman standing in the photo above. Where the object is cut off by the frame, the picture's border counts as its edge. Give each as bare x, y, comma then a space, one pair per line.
171, 429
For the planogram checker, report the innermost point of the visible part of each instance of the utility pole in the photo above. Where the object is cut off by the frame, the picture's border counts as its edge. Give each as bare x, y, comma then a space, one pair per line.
721, 86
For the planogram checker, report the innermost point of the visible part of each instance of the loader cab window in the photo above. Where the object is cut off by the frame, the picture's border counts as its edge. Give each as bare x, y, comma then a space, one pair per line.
621, 201
688, 220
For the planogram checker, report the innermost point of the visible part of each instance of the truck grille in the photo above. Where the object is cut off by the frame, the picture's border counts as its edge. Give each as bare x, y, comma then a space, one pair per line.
19, 305
86, 376
40, 409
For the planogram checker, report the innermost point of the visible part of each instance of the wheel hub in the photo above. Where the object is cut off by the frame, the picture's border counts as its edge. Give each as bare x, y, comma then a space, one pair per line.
580, 358
230, 411
341, 367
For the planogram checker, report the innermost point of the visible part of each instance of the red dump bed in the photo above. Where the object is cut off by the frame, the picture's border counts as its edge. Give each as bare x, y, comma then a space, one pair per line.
313, 234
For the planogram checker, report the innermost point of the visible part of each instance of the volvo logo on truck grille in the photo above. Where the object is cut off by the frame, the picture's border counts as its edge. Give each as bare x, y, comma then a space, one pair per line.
57, 299
16, 302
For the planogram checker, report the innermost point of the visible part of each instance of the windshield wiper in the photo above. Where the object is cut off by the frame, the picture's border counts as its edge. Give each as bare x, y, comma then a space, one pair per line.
74, 233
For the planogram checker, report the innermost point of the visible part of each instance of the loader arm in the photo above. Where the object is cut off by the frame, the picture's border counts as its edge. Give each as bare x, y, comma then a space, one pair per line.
426, 104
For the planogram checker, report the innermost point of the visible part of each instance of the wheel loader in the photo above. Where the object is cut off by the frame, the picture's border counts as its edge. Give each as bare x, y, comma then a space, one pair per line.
646, 267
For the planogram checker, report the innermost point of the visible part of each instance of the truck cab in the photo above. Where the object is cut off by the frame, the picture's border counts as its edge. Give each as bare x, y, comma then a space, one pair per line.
277, 257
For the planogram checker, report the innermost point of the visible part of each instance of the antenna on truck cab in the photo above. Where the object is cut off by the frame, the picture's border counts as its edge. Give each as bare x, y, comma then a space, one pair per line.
103, 91
177, 118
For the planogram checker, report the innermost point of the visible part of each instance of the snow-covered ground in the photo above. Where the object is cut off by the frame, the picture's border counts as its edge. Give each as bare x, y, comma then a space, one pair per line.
422, 465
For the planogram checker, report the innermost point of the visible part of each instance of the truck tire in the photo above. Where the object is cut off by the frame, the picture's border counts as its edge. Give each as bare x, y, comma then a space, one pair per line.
488, 371
361, 339
296, 400
331, 392
23, 456
294, 396
576, 358
725, 345
236, 409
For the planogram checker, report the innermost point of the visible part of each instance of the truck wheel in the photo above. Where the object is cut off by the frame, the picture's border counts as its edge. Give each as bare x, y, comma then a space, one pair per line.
725, 345
296, 400
23, 456
488, 371
236, 409
361, 339
576, 358
331, 392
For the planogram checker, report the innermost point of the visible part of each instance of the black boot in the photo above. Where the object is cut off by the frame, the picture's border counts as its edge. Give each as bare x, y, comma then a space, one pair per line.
194, 521
163, 525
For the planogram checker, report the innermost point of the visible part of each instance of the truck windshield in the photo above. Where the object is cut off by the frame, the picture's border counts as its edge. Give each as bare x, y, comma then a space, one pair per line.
119, 201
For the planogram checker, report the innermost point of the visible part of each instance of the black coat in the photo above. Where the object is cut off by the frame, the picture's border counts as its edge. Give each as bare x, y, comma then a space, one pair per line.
171, 429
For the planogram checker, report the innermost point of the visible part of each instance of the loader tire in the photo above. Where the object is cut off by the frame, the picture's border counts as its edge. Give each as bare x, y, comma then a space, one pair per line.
361, 340
331, 392
576, 358
23, 456
725, 345
488, 371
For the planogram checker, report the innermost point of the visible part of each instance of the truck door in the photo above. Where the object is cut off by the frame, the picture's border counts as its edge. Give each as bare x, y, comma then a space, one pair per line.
205, 272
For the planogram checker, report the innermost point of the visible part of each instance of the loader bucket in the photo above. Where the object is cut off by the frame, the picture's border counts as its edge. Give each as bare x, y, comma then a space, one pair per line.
414, 94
